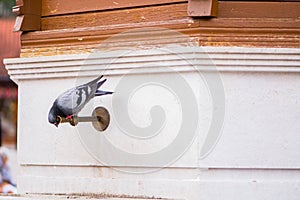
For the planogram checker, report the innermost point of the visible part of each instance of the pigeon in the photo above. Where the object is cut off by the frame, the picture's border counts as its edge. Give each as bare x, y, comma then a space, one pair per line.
72, 101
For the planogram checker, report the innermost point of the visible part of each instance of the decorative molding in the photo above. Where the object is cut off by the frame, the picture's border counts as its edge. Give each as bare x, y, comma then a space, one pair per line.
244, 24
223, 59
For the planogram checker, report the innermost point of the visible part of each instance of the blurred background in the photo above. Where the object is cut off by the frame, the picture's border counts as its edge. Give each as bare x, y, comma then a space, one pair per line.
9, 48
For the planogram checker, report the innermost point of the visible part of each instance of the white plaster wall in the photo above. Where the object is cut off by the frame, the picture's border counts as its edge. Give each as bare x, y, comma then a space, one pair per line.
256, 156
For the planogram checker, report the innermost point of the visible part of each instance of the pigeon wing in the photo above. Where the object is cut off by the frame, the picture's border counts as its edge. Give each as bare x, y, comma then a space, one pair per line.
72, 101
65, 102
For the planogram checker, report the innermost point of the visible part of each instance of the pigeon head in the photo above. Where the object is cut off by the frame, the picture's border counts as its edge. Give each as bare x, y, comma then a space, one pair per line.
53, 118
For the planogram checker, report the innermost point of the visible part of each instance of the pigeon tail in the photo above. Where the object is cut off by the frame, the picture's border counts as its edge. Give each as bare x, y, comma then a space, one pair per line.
95, 80
100, 83
101, 92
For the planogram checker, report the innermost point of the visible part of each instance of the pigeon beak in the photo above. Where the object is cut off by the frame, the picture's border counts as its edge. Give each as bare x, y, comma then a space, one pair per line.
58, 121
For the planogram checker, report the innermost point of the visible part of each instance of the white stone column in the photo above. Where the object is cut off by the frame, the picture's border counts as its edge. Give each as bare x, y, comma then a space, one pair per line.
256, 155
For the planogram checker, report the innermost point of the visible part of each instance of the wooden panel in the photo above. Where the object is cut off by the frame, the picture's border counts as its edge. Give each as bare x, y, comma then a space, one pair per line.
27, 23
116, 17
81, 41
216, 26
28, 15
58, 7
246, 9
161, 14
235, 26
32, 7
203, 8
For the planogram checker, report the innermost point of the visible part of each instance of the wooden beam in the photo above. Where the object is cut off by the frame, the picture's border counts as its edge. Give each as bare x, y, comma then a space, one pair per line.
237, 24
202, 8
237, 11
59, 7
132, 17
28, 15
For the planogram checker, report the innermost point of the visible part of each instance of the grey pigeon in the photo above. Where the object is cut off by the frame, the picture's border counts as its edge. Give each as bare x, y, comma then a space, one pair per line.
72, 101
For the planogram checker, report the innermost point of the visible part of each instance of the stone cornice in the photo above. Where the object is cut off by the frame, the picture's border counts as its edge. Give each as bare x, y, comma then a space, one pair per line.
223, 59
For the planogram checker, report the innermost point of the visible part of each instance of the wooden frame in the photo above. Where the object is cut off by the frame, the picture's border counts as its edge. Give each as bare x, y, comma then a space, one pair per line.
239, 23
202, 8
28, 15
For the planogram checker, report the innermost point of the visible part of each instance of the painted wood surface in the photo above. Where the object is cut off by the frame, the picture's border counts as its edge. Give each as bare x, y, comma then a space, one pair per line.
238, 24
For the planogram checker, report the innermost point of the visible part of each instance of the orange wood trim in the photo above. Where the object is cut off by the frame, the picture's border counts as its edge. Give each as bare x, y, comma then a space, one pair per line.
258, 9
237, 24
202, 8
157, 14
161, 14
59, 7
28, 15
254, 33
